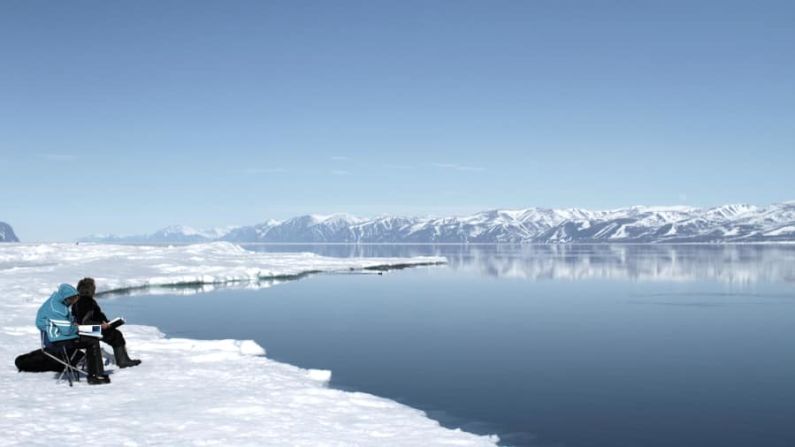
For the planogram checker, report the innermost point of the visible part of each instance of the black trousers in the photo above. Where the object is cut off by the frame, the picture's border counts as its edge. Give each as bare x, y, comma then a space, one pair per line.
113, 337
82, 342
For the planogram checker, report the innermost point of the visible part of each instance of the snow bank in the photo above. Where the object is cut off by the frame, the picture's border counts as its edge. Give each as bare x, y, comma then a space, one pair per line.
187, 392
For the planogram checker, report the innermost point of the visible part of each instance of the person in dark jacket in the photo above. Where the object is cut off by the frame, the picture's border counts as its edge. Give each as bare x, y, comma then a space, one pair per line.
87, 311
59, 330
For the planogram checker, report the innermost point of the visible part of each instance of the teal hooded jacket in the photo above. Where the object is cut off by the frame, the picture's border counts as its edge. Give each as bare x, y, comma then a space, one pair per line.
54, 317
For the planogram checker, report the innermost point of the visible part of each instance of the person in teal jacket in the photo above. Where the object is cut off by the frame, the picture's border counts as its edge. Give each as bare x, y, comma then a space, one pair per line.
55, 321
54, 317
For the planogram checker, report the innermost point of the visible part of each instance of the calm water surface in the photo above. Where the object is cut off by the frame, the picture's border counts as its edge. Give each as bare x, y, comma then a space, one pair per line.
545, 346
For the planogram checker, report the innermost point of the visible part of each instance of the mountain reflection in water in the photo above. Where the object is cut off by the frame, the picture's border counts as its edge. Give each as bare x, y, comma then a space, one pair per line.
725, 263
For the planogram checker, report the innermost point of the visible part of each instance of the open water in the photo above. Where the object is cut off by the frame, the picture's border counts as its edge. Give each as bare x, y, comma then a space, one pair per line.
603, 345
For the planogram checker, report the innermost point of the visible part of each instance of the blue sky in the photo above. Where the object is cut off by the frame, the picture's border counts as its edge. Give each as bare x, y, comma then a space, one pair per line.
127, 117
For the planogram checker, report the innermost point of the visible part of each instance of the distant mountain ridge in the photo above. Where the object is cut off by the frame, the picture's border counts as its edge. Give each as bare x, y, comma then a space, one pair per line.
174, 234
7, 233
638, 224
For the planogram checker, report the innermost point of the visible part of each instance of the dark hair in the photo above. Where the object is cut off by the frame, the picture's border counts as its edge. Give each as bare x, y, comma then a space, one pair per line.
86, 287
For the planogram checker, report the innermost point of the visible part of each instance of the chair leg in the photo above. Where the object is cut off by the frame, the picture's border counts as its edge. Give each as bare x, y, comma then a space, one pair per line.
74, 369
68, 369
71, 371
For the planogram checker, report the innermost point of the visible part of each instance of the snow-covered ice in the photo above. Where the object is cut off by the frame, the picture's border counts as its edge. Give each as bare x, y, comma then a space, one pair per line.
186, 392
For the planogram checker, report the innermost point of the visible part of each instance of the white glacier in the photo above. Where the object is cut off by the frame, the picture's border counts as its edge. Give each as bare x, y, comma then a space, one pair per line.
187, 392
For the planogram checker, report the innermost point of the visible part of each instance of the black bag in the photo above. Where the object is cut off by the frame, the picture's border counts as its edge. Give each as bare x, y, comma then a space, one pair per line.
37, 361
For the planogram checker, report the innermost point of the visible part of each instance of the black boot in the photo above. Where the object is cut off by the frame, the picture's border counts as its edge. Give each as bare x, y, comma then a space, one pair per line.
98, 380
122, 359
96, 371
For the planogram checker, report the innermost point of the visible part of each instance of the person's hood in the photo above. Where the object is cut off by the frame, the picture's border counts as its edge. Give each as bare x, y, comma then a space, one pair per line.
64, 291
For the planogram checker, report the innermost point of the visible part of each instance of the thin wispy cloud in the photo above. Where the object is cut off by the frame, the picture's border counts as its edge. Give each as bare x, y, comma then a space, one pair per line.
457, 167
339, 158
394, 166
57, 157
256, 171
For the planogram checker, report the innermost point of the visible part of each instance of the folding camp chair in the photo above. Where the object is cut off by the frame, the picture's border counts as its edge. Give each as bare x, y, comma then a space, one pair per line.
62, 355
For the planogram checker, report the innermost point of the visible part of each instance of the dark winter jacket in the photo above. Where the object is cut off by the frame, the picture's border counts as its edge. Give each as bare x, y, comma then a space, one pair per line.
87, 311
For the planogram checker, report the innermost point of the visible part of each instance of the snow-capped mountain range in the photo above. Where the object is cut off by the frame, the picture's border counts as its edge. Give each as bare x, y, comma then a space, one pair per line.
638, 224
7, 233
